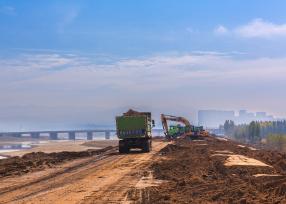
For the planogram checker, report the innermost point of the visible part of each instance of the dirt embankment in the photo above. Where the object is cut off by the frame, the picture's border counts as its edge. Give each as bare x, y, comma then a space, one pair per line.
39, 160
216, 171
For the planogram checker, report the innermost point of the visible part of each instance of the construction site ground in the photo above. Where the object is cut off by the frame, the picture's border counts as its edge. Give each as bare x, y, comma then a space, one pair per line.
94, 176
216, 170
210, 170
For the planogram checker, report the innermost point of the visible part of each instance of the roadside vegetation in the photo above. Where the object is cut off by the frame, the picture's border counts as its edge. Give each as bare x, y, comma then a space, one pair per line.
276, 141
272, 134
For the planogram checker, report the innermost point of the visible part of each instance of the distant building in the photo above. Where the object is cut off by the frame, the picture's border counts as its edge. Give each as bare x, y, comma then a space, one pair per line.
261, 114
244, 117
215, 118
242, 113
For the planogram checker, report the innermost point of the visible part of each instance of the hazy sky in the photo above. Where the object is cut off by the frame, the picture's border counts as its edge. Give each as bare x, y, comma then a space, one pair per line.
76, 62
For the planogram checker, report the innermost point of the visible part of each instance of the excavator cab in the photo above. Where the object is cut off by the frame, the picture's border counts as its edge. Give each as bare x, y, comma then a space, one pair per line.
175, 131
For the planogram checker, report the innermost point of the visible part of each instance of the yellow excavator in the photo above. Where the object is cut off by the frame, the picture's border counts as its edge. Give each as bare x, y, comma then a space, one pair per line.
174, 131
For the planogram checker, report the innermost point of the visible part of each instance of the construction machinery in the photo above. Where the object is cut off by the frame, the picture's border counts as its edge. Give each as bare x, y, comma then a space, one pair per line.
200, 131
134, 131
174, 131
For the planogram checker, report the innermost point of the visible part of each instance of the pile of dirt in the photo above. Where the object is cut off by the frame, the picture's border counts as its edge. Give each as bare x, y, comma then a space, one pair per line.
39, 160
196, 172
170, 148
132, 112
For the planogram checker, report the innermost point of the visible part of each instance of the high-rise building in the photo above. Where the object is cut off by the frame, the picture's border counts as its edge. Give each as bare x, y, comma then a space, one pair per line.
214, 118
261, 114
242, 113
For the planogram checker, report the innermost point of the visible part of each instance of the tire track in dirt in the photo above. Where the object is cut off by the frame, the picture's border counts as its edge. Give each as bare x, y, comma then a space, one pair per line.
84, 182
57, 173
56, 179
136, 168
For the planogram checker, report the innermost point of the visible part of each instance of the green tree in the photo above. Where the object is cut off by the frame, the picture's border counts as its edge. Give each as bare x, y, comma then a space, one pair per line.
229, 127
276, 141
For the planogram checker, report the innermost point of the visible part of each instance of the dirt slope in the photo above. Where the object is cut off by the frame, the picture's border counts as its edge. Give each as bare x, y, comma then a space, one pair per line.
39, 160
216, 171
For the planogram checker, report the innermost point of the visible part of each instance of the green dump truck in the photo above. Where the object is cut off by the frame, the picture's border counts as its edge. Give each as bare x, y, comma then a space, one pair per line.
134, 131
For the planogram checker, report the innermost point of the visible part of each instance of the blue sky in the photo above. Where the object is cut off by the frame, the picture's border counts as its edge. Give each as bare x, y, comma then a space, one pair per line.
132, 28
85, 61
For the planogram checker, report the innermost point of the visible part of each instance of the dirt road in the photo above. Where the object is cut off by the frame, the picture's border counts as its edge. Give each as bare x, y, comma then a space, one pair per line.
104, 178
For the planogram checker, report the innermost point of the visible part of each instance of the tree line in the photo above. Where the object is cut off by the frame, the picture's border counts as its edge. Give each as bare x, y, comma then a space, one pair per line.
255, 131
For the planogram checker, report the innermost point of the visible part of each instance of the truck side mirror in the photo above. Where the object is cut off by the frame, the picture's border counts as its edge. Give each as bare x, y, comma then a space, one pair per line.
153, 123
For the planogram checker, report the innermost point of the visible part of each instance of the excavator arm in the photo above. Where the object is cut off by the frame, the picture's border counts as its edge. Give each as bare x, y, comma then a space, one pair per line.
166, 118
164, 124
189, 130
183, 120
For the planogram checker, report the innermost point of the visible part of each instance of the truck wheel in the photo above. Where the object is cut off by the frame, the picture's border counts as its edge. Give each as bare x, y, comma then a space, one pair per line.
150, 146
123, 147
121, 150
127, 149
146, 146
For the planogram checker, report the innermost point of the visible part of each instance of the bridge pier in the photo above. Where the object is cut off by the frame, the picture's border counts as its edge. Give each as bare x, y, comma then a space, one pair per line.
53, 135
71, 135
35, 135
107, 135
89, 135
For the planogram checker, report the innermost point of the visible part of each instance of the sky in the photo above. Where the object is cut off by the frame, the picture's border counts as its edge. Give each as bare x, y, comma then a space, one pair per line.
71, 62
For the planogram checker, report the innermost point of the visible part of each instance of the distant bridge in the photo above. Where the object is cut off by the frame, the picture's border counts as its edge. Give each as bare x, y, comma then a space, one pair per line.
54, 135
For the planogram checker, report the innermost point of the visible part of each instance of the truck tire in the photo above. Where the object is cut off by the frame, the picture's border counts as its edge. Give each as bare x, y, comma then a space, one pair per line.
146, 146
123, 148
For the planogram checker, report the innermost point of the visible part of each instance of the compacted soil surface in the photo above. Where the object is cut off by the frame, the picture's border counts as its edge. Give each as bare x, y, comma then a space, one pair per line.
92, 176
209, 170
215, 170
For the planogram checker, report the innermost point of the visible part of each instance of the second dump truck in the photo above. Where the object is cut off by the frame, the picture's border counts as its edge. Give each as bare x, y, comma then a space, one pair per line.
134, 130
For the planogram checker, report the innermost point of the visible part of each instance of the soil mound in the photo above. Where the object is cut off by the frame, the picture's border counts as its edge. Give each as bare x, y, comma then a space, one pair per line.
132, 112
196, 173
170, 148
39, 160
